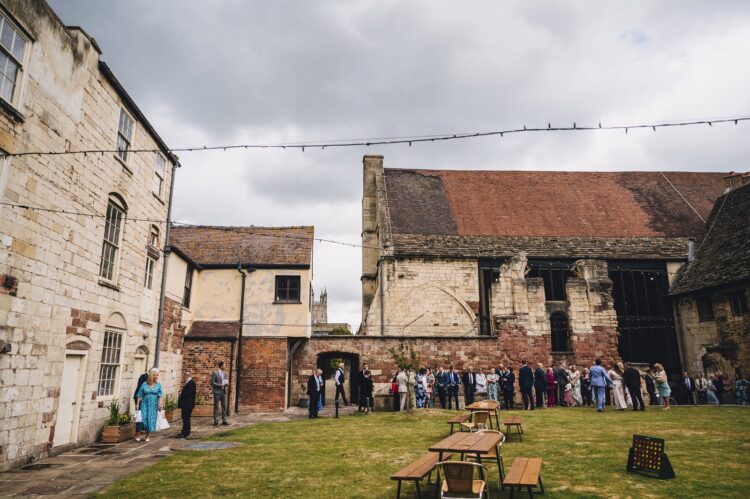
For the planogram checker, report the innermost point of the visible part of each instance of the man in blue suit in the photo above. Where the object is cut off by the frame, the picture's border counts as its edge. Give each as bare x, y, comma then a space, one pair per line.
600, 380
453, 381
526, 382
442, 384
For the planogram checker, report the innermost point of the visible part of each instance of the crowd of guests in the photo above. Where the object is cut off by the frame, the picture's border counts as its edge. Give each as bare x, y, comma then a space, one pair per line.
620, 385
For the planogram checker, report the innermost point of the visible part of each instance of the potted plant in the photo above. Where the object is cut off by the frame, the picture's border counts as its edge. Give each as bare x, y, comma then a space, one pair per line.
170, 410
119, 427
202, 409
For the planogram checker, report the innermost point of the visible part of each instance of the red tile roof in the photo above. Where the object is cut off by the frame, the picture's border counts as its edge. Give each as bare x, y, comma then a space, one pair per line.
213, 329
549, 203
278, 246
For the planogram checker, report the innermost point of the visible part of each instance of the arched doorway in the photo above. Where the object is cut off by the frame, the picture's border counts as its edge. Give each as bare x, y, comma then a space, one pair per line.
327, 362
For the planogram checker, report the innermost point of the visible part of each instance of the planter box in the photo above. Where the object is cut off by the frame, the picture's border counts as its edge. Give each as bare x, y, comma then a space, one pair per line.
116, 434
173, 415
203, 411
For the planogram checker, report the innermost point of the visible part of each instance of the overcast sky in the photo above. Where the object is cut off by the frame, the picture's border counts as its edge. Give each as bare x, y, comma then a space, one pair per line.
238, 71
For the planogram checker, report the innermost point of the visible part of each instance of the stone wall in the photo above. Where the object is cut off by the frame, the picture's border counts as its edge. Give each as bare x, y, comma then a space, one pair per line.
56, 303
721, 344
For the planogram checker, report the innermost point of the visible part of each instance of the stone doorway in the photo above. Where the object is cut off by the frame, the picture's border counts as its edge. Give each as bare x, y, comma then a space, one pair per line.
328, 363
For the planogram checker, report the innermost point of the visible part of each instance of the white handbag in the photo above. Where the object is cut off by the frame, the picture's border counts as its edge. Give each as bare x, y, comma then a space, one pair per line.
138, 418
161, 422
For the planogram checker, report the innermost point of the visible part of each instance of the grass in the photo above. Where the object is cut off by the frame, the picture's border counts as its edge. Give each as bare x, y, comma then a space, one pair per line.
584, 454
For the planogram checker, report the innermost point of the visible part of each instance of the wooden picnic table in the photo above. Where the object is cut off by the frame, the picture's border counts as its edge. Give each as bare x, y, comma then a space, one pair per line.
525, 473
463, 443
492, 406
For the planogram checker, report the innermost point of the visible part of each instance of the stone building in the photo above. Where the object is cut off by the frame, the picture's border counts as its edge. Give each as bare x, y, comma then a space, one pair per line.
221, 277
712, 292
79, 290
478, 268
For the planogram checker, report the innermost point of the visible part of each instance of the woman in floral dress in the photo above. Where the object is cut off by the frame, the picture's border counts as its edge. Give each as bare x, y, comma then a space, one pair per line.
492, 385
575, 380
149, 402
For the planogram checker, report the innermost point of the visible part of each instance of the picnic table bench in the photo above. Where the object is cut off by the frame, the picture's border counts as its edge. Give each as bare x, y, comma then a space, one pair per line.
525, 472
417, 470
457, 420
513, 421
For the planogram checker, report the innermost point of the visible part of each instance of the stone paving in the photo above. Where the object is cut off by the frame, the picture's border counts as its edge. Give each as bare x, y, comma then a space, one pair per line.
90, 469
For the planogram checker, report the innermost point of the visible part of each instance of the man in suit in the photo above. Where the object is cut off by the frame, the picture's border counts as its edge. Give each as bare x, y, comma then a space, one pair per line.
653, 398
441, 380
689, 384
219, 387
632, 380
540, 384
340, 378
313, 395
360, 383
453, 382
470, 385
599, 382
186, 403
562, 378
526, 382
509, 386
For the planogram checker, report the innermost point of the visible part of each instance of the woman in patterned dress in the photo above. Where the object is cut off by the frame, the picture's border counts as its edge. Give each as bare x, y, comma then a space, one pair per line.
493, 383
149, 402
662, 384
575, 380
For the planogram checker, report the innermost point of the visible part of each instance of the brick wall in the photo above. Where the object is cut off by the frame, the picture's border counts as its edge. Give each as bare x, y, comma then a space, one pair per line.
264, 375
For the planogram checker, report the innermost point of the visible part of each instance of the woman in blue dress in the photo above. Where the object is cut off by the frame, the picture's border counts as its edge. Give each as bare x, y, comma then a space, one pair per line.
149, 402
419, 388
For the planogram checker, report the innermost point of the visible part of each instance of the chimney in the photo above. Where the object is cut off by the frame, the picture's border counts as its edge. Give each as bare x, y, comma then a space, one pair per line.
691, 249
734, 180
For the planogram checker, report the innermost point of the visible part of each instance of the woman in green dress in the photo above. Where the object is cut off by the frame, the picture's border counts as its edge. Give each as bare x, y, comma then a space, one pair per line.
149, 402
662, 384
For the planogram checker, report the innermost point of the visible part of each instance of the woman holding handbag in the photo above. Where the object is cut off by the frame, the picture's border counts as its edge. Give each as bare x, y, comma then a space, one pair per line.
149, 402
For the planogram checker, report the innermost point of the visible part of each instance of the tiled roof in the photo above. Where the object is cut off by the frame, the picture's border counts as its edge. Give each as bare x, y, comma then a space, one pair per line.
548, 204
208, 245
213, 329
724, 256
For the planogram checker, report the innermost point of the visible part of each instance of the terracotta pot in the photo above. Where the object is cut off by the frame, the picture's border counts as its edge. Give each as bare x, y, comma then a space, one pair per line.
116, 434
173, 415
203, 411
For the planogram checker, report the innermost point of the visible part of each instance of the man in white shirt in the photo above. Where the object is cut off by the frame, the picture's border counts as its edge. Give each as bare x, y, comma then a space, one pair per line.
339, 378
220, 386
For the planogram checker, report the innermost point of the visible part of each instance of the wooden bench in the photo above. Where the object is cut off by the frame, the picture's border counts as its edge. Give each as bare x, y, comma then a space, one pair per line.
417, 470
457, 420
513, 421
525, 472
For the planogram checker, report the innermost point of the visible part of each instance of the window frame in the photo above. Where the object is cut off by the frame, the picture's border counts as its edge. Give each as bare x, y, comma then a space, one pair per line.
115, 247
107, 362
187, 290
124, 158
287, 290
159, 178
554, 333
148, 279
738, 303
19, 32
705, 308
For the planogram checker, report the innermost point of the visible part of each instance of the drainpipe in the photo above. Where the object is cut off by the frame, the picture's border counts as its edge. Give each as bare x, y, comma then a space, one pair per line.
239, 341
165, 256
231, 369
382, 299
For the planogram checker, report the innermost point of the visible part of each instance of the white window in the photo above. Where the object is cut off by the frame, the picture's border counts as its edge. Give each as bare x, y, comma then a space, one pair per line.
111, 242
148, 281
153, 239
110, 364
124, 134
161, 164
12, 48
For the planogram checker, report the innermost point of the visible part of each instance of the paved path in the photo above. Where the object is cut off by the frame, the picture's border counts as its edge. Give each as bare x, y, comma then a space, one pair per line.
90, 469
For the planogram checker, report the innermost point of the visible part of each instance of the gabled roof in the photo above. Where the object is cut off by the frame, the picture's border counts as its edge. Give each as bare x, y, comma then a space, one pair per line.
549, 203
724, 257
212, 246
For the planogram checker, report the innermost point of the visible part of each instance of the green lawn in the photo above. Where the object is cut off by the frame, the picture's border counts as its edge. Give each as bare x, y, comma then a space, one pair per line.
584, 453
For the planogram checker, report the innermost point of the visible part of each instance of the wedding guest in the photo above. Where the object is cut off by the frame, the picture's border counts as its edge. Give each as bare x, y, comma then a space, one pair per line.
632, 379
662, 384
540, 384
430, 390
322, 384
454, 380
366, 390
711, 392
420, 388
720, 388
492, 385
508, 381
562, 379
586, 387
141, 379
618, 393
526, 383
689, 383
599, 382
701, 386
575, 380
551, 388
740, 389
469, 382
149, 402
653, 397
480, 381
403, 389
